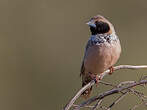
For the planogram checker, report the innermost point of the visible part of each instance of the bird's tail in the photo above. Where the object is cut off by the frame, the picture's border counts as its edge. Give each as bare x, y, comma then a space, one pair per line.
87, 92
85, 80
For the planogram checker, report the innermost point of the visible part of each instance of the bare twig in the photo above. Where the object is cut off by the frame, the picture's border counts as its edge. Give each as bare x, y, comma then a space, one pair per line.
124, 67
103, 107
106, 83
136, 106
125, 83
71, 102
139, 94
88, 106
117, 100
67, 107
110, 92
97, 104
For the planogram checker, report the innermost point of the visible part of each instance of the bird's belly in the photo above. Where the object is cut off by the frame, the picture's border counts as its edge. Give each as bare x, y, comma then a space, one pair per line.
99, 58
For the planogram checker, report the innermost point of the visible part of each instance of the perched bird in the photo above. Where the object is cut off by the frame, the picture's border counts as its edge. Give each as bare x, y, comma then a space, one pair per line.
102, 51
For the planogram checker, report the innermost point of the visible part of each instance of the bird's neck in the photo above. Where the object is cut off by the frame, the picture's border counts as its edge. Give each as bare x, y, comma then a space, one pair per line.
101, 38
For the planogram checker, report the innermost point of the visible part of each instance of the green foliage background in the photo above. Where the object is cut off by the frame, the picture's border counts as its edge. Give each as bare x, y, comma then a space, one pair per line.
42, 45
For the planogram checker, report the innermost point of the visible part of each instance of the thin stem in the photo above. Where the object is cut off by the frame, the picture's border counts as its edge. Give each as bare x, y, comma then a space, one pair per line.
97, 104
71, 102
110, 92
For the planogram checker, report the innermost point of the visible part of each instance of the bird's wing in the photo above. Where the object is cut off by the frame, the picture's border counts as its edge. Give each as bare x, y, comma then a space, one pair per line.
89, 44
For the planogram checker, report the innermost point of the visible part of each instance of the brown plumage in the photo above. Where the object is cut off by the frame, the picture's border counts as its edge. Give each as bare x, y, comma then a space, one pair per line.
102, 50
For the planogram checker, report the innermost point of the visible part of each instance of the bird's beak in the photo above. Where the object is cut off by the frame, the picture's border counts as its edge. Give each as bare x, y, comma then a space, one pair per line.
91, 23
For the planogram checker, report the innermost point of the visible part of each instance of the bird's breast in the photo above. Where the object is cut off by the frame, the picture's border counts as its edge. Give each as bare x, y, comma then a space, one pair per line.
98, 58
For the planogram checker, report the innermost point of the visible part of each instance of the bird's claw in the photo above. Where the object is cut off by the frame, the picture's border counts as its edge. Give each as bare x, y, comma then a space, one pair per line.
96, 78
111, 70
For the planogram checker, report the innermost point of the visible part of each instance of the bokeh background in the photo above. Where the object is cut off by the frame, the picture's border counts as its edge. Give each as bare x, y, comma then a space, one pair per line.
42, 45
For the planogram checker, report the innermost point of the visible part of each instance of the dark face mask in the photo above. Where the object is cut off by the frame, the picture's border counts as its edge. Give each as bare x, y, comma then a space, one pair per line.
101, 28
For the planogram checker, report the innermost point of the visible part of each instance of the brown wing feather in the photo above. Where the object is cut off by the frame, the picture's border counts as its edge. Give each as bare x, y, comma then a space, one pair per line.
82, 71
85, 77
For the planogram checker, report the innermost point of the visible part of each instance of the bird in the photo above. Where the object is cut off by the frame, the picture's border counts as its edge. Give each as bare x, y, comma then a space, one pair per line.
102, 51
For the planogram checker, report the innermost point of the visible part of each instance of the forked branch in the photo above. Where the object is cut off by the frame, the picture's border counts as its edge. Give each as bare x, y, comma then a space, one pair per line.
116, 90
110, 92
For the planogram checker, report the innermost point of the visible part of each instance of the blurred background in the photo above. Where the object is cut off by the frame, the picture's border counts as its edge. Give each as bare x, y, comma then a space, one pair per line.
42, 45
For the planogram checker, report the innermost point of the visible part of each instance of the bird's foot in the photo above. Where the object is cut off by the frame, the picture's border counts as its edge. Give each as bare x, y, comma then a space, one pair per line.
111, 70
95, 77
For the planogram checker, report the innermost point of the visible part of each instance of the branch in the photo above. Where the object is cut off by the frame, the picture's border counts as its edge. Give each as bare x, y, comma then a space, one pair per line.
97, 104
117, 100
138, 105
71, 102
110, 92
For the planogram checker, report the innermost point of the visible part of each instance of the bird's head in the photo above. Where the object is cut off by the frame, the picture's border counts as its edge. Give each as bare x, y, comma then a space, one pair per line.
100, 25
